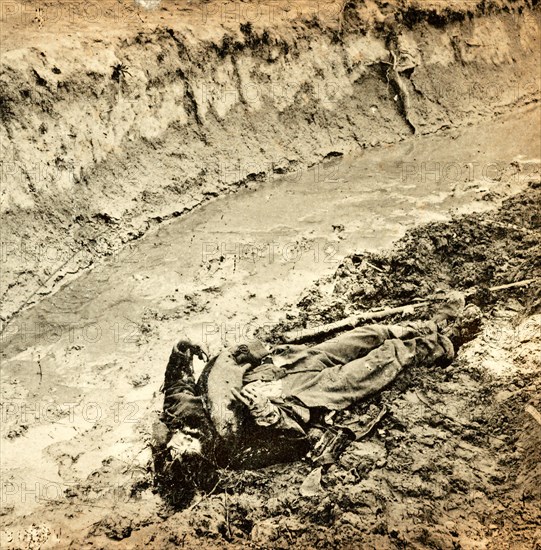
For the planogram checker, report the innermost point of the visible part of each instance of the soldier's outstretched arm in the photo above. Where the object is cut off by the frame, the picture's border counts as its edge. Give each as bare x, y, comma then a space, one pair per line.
179, 370
181, 404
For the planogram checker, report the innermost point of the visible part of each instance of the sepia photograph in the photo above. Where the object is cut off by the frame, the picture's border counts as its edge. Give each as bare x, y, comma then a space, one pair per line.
270, 274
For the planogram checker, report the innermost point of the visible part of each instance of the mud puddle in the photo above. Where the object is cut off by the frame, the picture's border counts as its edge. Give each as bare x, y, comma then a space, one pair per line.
80, 370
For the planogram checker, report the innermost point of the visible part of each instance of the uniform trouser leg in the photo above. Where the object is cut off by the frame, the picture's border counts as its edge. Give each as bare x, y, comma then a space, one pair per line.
358, 342
348, 381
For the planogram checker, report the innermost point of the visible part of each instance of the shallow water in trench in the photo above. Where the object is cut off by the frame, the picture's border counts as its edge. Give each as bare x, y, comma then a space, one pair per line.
220, 271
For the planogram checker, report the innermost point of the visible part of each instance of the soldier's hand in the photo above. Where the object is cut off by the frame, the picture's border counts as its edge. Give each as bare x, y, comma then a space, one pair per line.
251, 396
240, 397
193, 350
262, 409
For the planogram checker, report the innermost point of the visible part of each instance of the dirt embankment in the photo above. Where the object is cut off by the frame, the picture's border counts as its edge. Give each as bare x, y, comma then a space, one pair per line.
113, 124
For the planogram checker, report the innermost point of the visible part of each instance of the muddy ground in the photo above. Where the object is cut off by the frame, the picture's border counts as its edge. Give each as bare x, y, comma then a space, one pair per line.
114, 121
456, 462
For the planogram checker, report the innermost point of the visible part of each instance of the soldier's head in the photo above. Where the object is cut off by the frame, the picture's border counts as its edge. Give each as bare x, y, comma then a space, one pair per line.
187, 465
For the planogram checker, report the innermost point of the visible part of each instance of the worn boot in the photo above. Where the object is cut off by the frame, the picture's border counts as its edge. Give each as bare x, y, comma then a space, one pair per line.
458, 322
466, 327
450, 310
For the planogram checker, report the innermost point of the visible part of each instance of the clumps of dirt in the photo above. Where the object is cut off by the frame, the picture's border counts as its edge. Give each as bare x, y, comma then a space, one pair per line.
529, 442
471, 253
114, 527
17, 431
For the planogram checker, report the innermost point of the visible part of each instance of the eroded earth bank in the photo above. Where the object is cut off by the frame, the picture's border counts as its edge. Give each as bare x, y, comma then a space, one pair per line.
113, 125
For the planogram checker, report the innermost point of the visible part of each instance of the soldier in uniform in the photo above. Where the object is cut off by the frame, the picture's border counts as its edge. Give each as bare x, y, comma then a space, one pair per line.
254, 405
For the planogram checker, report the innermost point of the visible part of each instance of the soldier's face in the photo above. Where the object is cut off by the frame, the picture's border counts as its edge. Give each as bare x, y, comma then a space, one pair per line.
184, 444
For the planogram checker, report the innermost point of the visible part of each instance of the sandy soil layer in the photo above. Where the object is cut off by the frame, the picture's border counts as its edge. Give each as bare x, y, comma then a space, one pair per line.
115, 120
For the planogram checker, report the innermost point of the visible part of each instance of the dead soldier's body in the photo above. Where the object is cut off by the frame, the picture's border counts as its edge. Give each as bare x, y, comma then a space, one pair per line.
254, 406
